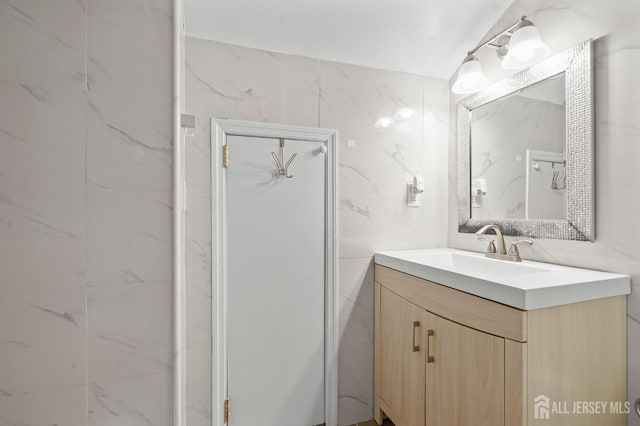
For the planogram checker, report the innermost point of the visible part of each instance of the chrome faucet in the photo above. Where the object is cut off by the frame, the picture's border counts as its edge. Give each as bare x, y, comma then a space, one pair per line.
501, 253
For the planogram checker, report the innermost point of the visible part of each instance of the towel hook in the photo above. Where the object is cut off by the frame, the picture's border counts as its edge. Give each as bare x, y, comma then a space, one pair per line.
282, 168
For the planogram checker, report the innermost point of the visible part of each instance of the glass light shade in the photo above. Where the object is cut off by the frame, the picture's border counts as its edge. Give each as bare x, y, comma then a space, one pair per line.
525, 48
471, 78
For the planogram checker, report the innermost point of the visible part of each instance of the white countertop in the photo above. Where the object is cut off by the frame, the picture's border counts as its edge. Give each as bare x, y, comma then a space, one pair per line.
524, 285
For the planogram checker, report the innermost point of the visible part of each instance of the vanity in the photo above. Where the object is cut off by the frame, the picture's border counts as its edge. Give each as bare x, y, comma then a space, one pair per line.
465, 340
470, 339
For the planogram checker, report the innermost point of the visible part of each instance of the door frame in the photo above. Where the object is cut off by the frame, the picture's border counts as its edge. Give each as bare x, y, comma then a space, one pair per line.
220, 129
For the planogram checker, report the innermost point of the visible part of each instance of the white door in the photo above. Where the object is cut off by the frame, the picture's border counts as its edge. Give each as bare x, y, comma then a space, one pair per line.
276, 284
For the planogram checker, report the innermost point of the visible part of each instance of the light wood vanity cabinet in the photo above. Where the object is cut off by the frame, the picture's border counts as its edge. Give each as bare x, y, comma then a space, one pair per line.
467, 370
402, 378
447, 358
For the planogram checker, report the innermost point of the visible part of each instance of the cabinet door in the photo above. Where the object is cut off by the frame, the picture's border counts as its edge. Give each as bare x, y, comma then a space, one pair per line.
465, 375
402, 349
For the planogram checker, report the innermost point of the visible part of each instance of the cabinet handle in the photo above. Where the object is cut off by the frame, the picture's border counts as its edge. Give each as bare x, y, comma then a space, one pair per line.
416, 348
430, 358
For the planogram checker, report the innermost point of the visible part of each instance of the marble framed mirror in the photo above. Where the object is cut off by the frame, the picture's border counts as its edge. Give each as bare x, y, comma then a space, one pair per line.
525, 151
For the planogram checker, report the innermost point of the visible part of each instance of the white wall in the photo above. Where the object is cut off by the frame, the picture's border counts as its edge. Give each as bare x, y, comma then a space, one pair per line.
614, 25
234, 82
85, 212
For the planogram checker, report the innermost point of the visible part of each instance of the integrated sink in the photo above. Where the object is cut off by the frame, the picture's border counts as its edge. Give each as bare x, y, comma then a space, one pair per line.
524, 285
471, 264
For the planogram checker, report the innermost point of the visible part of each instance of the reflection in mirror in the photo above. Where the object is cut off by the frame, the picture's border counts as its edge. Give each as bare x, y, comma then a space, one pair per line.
518, 154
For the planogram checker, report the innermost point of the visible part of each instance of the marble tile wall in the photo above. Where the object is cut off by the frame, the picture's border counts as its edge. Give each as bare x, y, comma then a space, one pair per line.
234, 82
613, 25
129, 196
85, 212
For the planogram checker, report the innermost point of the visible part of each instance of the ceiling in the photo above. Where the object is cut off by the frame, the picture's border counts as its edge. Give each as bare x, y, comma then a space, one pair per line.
423, 37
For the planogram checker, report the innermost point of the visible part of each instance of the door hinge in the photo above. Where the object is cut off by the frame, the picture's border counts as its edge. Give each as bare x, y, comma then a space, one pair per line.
226, 410
225, 155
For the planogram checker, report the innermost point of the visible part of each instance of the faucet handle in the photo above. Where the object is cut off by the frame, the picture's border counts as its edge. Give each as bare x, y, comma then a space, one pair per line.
513, 250
492, 245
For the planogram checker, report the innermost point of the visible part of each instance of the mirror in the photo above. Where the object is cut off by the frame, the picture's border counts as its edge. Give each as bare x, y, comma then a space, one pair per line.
525, 151
518, 148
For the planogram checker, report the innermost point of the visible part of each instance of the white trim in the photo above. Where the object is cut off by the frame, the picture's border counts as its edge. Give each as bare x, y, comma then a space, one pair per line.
220, 129
179, 261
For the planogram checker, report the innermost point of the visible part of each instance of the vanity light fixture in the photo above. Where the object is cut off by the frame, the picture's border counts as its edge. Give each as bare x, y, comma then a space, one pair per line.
518, 46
